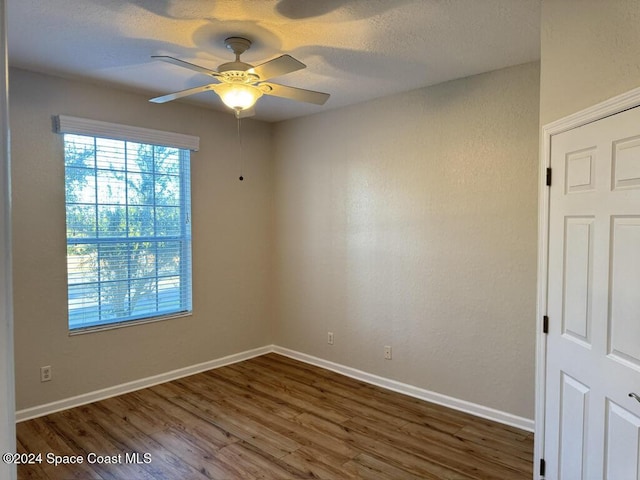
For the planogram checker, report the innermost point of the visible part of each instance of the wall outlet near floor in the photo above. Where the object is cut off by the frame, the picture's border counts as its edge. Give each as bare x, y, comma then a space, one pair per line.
387, 352
45, 373
330, 338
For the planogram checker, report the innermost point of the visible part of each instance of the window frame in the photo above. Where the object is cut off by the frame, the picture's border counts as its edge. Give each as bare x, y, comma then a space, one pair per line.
184, 143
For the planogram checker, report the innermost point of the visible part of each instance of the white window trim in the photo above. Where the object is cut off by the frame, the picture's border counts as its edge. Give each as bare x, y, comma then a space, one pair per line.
128, 323
96, 128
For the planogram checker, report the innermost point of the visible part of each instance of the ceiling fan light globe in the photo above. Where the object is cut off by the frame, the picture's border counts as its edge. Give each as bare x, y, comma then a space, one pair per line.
239, 96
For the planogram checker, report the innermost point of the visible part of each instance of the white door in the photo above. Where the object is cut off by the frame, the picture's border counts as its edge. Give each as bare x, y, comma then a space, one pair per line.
592, 425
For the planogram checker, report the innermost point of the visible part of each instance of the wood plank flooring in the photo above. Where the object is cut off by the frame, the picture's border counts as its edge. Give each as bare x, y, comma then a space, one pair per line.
272, 417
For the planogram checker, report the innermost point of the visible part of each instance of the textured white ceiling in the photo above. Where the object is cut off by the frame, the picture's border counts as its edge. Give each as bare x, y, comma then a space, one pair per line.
355, 50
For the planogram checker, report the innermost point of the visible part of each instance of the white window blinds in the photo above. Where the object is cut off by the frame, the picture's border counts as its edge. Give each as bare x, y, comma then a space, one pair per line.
128, 228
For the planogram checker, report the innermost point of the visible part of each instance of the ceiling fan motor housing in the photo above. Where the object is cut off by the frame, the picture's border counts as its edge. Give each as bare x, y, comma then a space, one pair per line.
236, 71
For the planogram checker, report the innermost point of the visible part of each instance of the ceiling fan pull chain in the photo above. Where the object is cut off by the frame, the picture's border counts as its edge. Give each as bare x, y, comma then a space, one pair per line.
241, 178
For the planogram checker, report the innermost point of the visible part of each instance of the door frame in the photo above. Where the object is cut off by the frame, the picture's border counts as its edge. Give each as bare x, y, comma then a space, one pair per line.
591, 114
7, 383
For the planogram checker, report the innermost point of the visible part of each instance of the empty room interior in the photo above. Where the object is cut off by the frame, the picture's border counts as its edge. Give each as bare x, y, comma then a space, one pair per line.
341, 281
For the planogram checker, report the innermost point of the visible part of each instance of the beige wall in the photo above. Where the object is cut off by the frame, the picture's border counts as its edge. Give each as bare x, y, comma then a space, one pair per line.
231, 251
590, 52
410, 221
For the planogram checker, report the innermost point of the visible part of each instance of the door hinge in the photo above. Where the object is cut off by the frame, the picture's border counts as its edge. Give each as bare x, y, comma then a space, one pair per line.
543, 467
548, 177
545, 324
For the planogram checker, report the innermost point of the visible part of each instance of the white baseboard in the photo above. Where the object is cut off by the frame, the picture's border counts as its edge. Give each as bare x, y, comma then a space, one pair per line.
416, 392
41, 410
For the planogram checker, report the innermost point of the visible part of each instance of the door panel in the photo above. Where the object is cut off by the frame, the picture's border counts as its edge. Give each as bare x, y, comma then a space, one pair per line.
622, 443
580, 168
624, 326
577, 278
574, 404
626, 163
592, 426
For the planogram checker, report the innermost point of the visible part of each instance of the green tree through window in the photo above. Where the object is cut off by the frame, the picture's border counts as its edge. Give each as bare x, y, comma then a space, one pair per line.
128, 230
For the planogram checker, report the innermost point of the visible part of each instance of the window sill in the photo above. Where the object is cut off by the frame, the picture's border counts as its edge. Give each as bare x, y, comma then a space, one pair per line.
128, 323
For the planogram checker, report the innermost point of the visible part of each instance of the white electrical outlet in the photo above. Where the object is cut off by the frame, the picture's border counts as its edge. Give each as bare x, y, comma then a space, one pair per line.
45, 373
387, 352
330, 338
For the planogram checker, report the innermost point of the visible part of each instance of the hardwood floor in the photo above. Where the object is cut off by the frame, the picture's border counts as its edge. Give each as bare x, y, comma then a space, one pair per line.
272, 417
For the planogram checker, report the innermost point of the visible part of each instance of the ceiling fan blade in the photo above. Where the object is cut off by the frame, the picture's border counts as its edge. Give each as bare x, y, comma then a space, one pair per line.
182, 93
182, 63
294, 93
276, 67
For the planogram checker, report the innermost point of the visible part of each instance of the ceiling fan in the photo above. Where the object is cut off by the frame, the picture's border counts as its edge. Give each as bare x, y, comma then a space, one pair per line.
240, 84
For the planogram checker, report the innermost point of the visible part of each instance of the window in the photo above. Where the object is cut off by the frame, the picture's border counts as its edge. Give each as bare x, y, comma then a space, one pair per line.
128, 230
